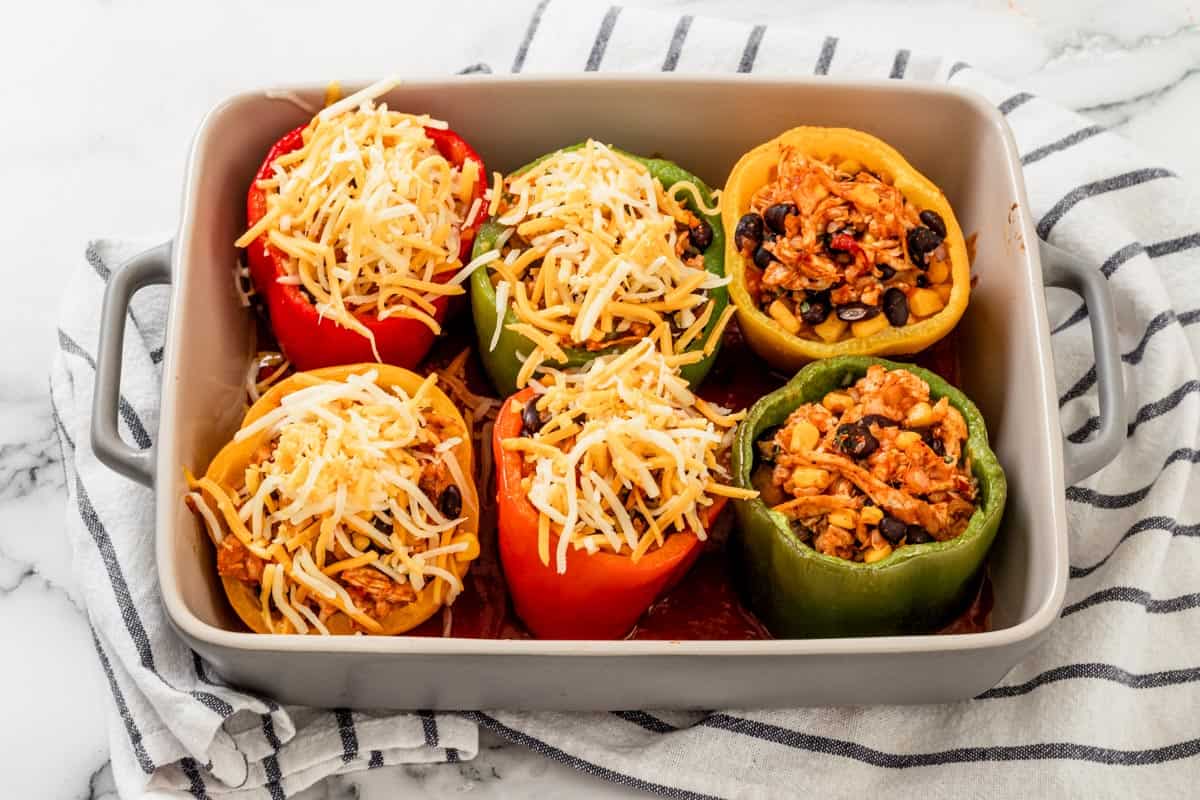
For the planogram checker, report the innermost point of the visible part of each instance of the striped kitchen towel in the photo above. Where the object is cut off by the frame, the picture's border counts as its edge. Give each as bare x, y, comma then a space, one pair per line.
1106, 706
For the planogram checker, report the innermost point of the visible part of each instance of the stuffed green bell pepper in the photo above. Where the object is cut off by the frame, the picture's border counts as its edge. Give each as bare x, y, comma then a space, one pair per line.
588, 251
879, 499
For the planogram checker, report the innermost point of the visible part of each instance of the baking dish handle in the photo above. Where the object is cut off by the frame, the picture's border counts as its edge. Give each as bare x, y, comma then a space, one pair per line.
145, 269
1061, 269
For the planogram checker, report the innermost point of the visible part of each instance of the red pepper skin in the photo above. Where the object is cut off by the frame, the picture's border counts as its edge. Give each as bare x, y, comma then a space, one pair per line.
846, 243
311, 342
601, 596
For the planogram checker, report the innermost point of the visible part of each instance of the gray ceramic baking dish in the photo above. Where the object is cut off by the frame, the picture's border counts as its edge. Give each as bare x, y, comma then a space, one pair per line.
704, 124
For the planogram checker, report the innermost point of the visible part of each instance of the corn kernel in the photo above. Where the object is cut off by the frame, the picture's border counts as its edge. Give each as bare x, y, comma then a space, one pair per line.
906, 439
844, 518
877, 554
361, 542
837, 402
871, 515
808, 477
780, 313
804, 436
849, 167
939, 271
925, 302
919, 416
869, 327
832, 329
943, 291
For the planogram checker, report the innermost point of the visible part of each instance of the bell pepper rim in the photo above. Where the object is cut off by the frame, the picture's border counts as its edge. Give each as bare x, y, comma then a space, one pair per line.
985, 467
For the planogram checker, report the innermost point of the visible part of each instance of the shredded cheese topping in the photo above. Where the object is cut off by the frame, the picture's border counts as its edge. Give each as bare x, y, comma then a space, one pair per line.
600, 256
342, 508
368, 213
627, 456
267, 368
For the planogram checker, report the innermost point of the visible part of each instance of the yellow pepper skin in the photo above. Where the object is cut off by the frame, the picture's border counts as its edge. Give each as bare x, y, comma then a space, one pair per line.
229, 465
764, 334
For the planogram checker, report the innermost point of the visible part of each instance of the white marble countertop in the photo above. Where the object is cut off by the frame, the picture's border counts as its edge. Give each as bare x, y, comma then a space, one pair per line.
101, 99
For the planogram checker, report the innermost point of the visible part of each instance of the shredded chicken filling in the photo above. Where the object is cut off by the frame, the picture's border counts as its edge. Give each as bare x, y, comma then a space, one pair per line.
871, 468
836, 251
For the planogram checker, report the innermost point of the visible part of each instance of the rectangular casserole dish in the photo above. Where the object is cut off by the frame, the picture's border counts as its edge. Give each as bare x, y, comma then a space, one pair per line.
955, 138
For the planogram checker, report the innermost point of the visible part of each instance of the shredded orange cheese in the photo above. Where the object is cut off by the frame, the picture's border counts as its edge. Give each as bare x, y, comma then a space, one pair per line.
600, 258
368, 213
625, 457
337, 487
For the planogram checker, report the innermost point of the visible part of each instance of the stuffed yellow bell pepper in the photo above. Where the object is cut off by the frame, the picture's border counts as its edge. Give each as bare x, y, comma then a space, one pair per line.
840, 247
344, 504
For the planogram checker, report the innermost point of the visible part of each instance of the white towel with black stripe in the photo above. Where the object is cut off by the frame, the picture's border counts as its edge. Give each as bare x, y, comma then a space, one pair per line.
176, 728
1107, 706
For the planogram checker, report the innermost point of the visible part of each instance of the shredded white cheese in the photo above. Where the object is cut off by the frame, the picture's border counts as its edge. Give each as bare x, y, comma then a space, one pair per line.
367, 213
601, 258
337, 493
627, 456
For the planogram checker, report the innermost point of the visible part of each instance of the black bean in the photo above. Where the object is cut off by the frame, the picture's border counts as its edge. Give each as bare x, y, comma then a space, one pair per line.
892, 529
450, 503
923, 281
531, 419
895, 305
923, 240
917, 535
814, 312
856, 440
886, 271
934, 222
880, 420
701, 235
763, 257
749, 232
776, 216
383, 526
933, 442
801, 531
856, 312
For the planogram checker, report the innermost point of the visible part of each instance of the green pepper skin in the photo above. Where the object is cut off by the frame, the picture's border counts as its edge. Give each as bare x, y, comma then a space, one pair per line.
800, 593
502, 364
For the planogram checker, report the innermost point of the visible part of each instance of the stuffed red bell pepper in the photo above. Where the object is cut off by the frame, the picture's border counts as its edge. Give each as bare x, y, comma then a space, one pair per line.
609, 479
358, 226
